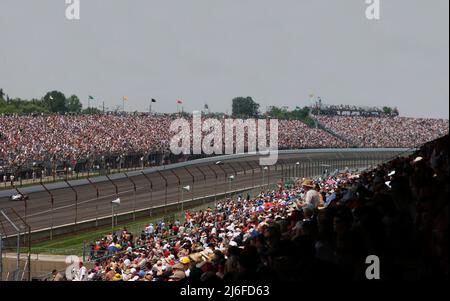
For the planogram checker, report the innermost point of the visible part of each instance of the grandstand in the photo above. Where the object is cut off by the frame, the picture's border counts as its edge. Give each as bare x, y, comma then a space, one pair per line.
34, 147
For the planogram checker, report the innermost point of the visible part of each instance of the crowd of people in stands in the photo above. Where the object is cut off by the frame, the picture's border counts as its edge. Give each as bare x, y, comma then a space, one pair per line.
333, 110
376, 132
77, 137
69, 138
296, 134
312, 230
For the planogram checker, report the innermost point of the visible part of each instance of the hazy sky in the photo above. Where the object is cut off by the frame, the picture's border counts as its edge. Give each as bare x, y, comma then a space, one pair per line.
209, 51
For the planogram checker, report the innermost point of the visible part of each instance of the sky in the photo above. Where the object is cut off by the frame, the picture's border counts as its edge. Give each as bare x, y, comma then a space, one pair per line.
210, 51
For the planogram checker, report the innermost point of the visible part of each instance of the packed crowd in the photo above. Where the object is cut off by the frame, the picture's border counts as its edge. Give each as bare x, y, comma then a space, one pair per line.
386, 131
332, 110
68, 138
296, 134
72, 138
77, 137
304, 232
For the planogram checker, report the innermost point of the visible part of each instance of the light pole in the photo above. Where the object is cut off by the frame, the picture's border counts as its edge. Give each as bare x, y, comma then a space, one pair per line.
225, 174
185, 188
264, 168
231, 178
114, 203
297, 165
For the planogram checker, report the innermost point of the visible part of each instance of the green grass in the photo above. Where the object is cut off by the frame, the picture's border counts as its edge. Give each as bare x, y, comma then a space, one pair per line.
73, 244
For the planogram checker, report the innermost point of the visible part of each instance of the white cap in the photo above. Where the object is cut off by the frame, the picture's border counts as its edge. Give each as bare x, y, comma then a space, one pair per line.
417, 159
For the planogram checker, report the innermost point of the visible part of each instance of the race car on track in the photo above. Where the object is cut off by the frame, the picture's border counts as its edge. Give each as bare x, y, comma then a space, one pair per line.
18, 197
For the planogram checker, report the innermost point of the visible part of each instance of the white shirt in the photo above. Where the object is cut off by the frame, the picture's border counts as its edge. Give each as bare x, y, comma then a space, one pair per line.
81, 276
312, 199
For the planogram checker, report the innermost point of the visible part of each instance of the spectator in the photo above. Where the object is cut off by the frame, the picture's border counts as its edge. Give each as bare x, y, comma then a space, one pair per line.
57, 276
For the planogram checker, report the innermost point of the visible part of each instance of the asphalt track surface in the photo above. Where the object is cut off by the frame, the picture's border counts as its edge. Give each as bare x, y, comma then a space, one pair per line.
204, 179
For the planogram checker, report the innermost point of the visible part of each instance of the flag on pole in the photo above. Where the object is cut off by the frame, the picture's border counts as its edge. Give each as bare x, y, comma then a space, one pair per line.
125, 98
179, 101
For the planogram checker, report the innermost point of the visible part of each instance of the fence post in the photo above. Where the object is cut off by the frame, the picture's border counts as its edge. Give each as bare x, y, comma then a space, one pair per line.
52, 202
180, 198
253, 173
215, 184
97, 195
151, 189
134, 196
114, 184
54, 171
84, 251
165, 197
203, 174
76, 201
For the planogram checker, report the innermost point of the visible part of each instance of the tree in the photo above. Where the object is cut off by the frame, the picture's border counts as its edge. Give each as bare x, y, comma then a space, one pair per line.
1, 94
31, 107
276, 112
73, 104
245, 107
387, 110
300, 113
55, 102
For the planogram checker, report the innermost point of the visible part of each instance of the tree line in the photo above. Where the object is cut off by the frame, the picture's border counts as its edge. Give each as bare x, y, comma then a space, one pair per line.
51, 102
246, 107
56, 102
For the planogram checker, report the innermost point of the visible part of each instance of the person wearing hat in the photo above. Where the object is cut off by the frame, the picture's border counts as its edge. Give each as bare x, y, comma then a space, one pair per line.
312, 197
109, 275
177, 275
148, 276
185, 260
57, 276
117, 277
